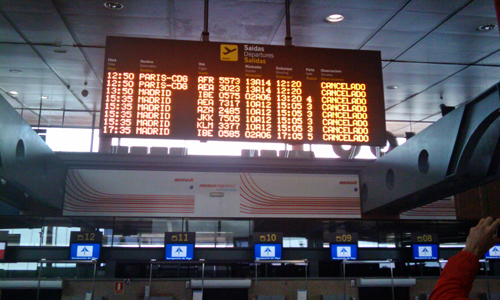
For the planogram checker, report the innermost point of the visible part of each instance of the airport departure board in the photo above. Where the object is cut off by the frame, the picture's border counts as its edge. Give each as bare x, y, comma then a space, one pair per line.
241, 92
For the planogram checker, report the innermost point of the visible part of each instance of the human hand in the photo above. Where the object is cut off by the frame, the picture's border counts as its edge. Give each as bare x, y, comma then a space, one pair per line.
482, 237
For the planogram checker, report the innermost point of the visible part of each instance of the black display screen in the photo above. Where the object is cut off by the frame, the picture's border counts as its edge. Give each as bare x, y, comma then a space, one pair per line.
241, 92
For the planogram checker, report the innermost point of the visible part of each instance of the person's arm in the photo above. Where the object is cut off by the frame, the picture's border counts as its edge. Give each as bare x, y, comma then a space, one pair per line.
456, 278
459, 273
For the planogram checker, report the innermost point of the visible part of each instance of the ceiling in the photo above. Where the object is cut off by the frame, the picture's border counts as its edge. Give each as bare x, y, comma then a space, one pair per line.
431, 49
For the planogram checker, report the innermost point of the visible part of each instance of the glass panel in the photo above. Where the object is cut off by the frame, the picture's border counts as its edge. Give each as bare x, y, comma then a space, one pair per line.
205, 232
22, 231
103, 224
407, 229
240, 230
224, 240
387, 234
18, 270
202, 225
294, 242
57, 231
367, 231
158, 228
71, 139
127, 231
70, 270
454, 234
143, 232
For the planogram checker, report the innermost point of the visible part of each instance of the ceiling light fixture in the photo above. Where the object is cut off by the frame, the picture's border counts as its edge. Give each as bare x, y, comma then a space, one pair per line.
113, 5
61, 51
13, 93
15, 71
392, 87
487, 27
334, 18
85, 92
44, 97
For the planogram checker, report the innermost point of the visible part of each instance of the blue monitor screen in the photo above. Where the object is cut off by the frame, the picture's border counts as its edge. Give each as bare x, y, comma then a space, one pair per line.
425, 251
341, 252
267, 251
179, 251
493, 253
85, 251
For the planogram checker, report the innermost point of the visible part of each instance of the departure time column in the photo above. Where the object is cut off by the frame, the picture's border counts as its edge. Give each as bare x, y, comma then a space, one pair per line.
118, 103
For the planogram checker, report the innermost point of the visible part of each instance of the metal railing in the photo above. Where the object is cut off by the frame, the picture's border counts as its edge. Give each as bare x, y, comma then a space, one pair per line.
45, 261
175, 262
305, 262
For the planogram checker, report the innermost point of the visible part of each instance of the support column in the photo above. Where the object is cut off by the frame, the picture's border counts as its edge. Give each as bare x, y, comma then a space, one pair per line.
104, 145
497, 8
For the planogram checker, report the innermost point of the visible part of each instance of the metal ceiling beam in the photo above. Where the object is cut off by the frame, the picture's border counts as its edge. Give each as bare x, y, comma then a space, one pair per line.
459, 152
78, 43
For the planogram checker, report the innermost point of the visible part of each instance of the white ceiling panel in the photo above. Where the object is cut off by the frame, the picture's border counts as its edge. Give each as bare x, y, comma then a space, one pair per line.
354, 4
435, 6
480, 8
53, 30
8, 33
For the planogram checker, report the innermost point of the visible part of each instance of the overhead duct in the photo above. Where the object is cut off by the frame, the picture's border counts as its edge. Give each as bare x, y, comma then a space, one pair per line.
459, 152
31, 173
386, 282
221, 284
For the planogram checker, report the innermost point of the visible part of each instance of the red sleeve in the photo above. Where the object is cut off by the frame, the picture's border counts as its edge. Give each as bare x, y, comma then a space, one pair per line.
457, 277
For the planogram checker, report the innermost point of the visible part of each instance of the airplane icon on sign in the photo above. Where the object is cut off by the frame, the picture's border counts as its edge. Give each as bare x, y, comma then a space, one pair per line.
425, 251
84, 251
179, 251
344, 252
229, 50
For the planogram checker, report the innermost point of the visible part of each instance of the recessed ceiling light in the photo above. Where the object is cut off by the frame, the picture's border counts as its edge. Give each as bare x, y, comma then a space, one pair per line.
392, 87
334, 18
44, 97
113, 5
487, 27
14, 93
15, 71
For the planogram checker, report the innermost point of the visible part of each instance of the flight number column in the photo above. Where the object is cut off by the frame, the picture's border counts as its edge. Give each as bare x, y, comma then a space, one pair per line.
229, 107
290, 121
118, 104
205, 109
258, 121
344, 112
